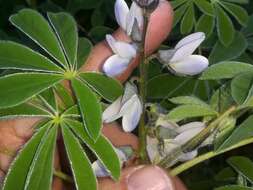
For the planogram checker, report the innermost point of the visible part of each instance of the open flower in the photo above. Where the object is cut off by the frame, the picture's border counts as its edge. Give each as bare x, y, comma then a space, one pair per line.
128, 106
126, 17
180, 59
123, 54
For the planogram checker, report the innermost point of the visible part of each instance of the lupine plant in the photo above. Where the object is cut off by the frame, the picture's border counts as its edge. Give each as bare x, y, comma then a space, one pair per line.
191, 100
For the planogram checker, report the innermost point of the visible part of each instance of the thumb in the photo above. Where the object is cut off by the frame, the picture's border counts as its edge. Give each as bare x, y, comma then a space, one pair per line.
142, 178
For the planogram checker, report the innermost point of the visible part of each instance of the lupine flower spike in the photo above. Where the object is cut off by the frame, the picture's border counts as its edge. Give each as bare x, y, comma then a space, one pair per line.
181, 60
128, 106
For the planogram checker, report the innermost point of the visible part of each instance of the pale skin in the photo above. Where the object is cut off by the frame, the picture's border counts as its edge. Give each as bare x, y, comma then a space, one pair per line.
14, 133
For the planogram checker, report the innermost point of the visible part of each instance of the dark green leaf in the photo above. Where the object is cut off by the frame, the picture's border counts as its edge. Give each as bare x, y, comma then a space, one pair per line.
233, 187
80, 164
16, 56
238, 1
40, 175
98, 17
241, 87
248, 30
18, 88
102, 148
64, 95
243, 166
232, 51
190, 111
177, 3
238, 12
98, 33
23, 110
84, 49
38, 29
65, 27
205, 6
107, 87
187, 100
21, 165
188, 20
242, 132
225, 70
225, 27
76, 5
90, 108
179, 13
205, 24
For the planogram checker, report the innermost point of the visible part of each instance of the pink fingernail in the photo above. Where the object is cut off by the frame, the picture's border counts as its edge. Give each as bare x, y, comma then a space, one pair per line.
149, 178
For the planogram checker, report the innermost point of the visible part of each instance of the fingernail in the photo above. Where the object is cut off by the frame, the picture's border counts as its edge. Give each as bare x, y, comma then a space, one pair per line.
149, 178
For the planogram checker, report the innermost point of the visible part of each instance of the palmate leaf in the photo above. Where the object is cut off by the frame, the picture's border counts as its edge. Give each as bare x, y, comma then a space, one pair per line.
18, 88
102, 148
109, 88
205, 6
17, 56
81, 167
66, 30
205, 24
21, 165
89, 107
40, 174
23, 110
35, 26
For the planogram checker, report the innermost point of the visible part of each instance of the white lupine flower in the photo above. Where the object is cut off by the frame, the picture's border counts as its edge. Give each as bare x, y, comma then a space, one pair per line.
128, 106
181, 60
126, 17
101, 171
123, 54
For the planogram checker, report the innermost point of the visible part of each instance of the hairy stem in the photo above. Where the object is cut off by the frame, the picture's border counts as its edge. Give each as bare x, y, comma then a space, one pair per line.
142, 86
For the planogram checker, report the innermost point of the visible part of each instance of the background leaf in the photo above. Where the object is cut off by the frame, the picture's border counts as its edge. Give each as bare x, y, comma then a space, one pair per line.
84, 49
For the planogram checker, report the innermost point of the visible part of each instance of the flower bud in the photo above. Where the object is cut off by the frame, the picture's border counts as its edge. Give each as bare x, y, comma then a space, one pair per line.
149, 5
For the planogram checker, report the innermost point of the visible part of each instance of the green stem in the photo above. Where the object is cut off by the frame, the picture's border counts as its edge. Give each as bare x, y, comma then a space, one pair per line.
195, 141
63, 176
185, 166
142, 86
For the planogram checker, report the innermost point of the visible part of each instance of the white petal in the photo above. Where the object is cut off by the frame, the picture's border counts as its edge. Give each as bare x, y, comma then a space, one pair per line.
188, 156
115, 65
134, 13
187, 135
111, 42
190, 126
111, 113
166, 55
121, 11
99, 169
191, 65
132, 116
152, 149
187, 46
130, 90
125, 50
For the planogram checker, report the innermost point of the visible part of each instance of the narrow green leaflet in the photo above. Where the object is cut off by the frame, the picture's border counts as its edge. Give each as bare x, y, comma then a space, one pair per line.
49, 98
35, 26
225, 70
109, 88
233, 187
190, 111
23, 110
188, 100
102, 148
16, 176
242, 132
205, 24
179, 13
205, 6
65, 27
17, 88
40, 175
81, 167
239, 1
188, 20
232, 51
17, 56
241, 87
89, 106
237, 11
64, 95
243, 166
83, 51
72, 111
225, 27
177, 3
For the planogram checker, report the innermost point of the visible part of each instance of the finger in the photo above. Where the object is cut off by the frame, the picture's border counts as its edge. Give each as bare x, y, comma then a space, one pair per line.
158, 30
140, 178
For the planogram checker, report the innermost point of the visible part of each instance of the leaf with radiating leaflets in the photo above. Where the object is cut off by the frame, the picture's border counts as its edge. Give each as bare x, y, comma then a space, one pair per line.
205, 24
89, 106
65, 27
80, 165
102, 148
18, 88
35, 26
109, 88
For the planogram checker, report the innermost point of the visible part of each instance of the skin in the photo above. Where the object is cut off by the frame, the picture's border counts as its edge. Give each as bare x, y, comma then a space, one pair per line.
16, 132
